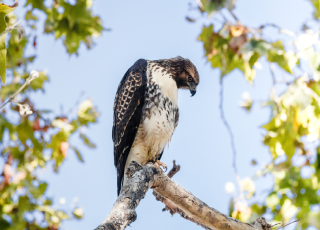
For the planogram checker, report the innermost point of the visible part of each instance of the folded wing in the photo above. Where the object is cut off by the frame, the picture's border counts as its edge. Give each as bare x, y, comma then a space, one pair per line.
127, 116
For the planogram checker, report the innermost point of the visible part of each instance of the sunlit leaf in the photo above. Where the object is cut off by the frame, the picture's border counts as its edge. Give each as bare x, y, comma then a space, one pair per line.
214, 6
316, 5
78, 153
87, 141
4, 10
78, 213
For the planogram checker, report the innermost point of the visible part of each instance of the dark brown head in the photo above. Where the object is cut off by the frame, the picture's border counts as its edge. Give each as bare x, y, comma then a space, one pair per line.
183, 72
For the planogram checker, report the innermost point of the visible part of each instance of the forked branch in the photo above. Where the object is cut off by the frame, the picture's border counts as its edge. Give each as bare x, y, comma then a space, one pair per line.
176, 199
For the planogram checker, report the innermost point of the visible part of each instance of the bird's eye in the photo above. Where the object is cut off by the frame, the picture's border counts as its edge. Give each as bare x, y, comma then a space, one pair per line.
190, 78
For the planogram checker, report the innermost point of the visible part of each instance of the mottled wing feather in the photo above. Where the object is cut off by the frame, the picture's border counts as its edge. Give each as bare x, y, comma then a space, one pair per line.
128, 104
176, 120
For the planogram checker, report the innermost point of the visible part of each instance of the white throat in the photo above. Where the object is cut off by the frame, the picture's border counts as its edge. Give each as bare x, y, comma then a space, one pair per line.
166, 83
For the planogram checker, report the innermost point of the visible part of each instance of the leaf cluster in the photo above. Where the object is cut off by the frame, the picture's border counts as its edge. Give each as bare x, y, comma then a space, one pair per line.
293, 131
40, 140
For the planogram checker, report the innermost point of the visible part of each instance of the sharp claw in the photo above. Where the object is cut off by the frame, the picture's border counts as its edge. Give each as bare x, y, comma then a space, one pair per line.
163, 165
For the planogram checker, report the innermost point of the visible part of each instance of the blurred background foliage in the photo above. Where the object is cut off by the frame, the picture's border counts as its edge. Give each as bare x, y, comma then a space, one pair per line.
292, 133
34, 142
29, 143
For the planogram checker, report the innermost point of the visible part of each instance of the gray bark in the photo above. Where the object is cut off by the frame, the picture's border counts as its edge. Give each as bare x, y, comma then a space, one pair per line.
176, 199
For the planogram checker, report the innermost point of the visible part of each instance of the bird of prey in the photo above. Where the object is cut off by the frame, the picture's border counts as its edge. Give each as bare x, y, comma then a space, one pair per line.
146, 110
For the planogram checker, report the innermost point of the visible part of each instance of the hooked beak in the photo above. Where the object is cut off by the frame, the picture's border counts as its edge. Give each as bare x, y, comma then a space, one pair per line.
192, 88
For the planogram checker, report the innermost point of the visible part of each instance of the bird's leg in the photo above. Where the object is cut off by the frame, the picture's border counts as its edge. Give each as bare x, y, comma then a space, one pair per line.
163, 165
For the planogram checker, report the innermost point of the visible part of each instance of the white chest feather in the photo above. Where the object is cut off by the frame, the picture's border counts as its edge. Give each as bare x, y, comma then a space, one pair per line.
166, 83
159, 119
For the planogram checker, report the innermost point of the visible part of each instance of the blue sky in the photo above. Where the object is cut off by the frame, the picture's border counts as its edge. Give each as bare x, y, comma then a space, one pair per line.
201, 144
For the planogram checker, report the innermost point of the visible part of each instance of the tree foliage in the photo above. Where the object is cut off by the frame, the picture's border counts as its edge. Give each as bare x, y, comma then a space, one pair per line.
293, 131
31, 142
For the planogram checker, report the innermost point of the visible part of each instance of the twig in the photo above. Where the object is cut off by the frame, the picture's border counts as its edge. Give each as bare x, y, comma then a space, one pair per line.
288, 224
174, 170
226, 124
233, 15
223, 16
16, 3
9, 28
77, 102
269, 24
33, 75
272, 74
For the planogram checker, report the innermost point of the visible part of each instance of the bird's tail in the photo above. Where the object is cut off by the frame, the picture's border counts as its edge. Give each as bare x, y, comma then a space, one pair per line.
119, 179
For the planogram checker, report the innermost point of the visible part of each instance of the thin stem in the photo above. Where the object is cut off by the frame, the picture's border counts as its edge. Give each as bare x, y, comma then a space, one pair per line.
28, 81
16, 3
274, 225
223, 16
288, 224
226, 124
272, 74
233, 15
270, 25
9, 28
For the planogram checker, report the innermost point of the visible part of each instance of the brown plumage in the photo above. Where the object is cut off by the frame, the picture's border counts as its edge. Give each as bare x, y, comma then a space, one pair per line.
146, 112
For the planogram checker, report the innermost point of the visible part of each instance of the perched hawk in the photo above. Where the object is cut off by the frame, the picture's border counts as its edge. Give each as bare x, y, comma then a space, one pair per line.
146, 110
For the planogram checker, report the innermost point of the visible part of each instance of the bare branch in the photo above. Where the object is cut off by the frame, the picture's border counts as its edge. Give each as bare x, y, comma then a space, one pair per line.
226, 124
123, 212
269, 25
16, 3
272, 74
288, 224
233, 15
33, 75
174, 170
176, 199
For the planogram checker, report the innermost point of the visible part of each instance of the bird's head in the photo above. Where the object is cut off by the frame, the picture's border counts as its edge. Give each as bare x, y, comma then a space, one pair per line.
188, 78
184, 73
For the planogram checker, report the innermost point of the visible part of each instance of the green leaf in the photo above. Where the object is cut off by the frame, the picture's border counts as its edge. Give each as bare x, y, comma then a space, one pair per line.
87, 141
249, 73
47, 202
318, 159
42, 188
246, 103
87, 112
313, 58
30, 16
214, 6
24, 204
4, 10
7, 208
36, 4
316, 4
6, 125
15, 57
278, 55
75, 25
3, 55
78, 213
78, 153
38, 82
4, 224
27, 139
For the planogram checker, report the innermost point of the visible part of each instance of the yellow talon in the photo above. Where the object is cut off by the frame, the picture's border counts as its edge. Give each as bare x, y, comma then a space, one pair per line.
163, 165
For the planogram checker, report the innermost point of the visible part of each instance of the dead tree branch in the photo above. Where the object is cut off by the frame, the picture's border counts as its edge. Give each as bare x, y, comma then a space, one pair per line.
176, 199
174, 170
